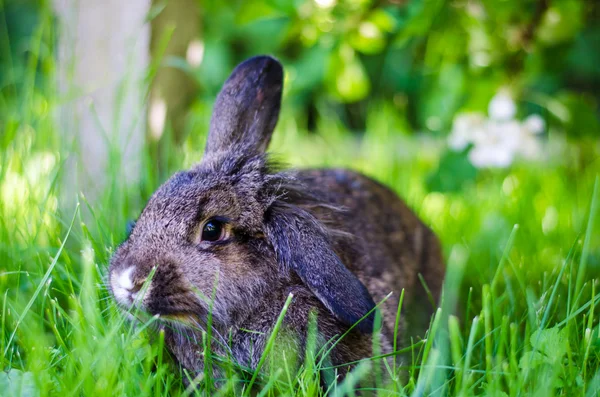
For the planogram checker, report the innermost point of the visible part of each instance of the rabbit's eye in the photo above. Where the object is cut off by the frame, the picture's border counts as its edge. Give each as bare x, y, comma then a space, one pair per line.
213, 230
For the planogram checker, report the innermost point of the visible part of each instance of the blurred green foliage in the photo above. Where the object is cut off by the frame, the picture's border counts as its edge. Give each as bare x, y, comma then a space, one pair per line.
421, 62
427, 59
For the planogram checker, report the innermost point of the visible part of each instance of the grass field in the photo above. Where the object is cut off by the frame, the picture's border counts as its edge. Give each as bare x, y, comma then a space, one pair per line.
520, 309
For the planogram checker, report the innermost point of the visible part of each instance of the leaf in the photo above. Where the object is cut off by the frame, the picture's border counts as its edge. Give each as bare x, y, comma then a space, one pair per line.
216, 65
532, 360
582, 117
346, 77
551, 342
17, 383
549, 347
369, 37
252, 11
443, 96
561, 22
309, 70
453, 173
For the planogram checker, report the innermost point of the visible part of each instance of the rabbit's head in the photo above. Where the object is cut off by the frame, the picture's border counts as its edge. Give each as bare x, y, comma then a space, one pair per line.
232, 229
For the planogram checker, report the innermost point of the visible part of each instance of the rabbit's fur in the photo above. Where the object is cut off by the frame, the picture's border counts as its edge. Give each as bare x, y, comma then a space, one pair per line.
335, 239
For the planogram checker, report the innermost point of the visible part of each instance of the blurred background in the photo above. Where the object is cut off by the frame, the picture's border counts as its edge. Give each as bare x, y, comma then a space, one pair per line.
482, 114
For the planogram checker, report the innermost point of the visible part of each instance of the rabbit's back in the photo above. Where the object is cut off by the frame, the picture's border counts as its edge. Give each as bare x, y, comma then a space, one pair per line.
384, 243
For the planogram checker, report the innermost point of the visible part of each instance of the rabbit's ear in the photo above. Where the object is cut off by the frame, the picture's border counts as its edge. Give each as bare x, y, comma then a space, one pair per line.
247, 108
302, 245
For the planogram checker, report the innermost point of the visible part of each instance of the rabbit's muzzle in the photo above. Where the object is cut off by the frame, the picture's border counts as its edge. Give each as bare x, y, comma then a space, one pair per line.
123, 287
161, 290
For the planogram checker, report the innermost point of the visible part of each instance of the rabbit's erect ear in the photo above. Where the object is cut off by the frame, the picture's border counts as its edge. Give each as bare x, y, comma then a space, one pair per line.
247, 107
302, 245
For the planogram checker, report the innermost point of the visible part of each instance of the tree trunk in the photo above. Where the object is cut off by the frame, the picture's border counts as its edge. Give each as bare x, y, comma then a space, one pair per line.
102, 63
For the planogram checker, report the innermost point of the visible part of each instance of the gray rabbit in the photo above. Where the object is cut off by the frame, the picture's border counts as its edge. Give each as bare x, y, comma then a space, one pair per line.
235, 235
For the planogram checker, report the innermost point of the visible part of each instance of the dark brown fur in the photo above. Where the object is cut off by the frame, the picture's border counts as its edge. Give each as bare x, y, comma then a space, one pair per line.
322, 235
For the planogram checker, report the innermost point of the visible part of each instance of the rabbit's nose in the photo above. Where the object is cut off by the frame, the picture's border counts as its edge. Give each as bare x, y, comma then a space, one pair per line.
124, 287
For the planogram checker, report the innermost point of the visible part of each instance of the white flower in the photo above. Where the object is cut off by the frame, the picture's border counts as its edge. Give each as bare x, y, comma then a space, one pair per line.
502, 106
530, 147
490, 156
465, 128
497, 145
503, 133
499, 139
534, 124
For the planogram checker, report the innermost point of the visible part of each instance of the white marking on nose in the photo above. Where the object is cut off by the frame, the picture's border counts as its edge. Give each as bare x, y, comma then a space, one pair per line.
123, 285
124, 280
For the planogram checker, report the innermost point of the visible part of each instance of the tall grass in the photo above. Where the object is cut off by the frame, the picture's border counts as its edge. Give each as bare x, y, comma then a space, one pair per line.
519, 314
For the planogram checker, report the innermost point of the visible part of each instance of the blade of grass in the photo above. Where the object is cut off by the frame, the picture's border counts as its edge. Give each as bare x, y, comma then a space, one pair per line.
270, 343
507, 249
586, 242
42, 282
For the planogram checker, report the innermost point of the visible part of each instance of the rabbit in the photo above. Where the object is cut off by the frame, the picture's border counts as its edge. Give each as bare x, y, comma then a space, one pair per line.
223, 245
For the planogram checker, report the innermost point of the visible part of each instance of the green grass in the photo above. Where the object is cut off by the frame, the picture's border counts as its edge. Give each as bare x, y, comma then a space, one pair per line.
520, 309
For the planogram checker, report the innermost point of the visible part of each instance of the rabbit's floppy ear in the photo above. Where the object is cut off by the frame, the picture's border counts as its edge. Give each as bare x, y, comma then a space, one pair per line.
301, 244
247, 108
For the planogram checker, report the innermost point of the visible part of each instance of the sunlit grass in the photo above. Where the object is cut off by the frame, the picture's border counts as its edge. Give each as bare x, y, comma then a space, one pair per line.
520, 307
